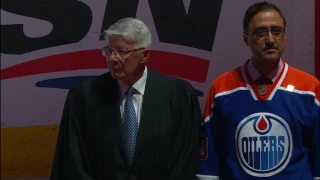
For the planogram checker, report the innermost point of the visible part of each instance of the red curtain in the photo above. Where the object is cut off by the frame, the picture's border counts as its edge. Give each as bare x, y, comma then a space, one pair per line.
317, 39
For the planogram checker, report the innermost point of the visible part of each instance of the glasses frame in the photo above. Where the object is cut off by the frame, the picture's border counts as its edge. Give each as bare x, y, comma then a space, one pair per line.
104, 51
267, 33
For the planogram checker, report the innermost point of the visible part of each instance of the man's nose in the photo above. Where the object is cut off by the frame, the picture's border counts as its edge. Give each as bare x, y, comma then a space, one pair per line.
269, 38
113, 56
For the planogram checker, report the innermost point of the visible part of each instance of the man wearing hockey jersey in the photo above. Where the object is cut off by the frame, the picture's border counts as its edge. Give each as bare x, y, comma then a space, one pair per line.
262, 120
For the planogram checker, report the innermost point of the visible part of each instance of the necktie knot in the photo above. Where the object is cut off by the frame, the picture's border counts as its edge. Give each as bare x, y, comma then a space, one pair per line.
130, 92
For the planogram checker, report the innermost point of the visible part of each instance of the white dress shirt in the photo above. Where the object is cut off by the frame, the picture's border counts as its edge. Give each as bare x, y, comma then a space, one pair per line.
137, 97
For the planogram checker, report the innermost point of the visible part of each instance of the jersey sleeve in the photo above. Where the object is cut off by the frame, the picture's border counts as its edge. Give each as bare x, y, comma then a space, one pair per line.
207, 164
314, 148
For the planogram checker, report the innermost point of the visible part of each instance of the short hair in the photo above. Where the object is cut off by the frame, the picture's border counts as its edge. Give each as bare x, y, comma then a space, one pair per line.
131, 29
259, 7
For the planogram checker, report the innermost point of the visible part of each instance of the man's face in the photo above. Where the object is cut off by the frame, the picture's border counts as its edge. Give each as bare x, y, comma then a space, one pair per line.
266, 36
124, 65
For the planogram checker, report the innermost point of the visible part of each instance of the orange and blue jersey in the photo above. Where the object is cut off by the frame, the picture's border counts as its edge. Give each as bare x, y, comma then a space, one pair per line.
254, 131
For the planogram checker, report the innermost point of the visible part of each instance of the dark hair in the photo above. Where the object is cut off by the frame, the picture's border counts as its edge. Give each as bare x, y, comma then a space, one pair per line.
258, 7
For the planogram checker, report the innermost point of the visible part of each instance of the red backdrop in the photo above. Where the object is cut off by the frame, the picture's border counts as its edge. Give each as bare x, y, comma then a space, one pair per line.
317, 39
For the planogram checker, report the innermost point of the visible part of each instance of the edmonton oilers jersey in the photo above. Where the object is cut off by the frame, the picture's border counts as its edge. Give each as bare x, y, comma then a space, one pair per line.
261, 132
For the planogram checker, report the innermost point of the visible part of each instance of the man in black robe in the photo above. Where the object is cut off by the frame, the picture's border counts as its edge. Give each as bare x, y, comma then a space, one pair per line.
130, 123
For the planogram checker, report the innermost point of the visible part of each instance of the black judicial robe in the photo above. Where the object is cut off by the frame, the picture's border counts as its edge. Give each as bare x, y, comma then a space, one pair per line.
90, 143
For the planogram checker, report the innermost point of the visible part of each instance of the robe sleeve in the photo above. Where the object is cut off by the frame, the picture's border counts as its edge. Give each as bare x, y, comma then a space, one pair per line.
187, 137
70, 162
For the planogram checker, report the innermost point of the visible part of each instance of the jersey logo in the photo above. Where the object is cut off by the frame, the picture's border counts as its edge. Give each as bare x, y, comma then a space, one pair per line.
263, 144
203, 148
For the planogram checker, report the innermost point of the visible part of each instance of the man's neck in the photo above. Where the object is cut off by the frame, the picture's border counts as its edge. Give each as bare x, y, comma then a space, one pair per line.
264, 68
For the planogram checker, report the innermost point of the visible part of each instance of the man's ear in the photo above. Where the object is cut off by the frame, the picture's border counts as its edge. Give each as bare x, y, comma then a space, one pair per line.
145, 56
245, 38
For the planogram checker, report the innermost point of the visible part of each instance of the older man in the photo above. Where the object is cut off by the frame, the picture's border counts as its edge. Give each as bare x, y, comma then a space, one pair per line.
262, 120
130, 123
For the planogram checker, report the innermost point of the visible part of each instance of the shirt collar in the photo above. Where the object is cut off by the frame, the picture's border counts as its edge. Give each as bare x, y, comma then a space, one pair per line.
139, 85
255, 74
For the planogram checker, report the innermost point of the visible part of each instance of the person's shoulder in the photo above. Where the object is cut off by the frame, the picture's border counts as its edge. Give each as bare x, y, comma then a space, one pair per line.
171, 82
228, 81
159, 75
233, 74
160, 79
95, 82
302, 80
302, 75
178, 82
184, 84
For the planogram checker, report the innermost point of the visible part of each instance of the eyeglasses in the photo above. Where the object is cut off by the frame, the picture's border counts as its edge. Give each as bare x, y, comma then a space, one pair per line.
107, 51
261, 32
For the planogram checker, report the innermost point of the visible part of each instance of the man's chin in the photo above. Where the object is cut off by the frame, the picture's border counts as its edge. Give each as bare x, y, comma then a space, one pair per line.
117, 75
271, 57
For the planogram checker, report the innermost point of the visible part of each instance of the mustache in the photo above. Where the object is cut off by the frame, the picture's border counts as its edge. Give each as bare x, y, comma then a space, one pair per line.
271, 46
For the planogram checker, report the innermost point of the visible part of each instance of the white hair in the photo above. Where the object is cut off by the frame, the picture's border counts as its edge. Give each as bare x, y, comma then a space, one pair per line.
131, 29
